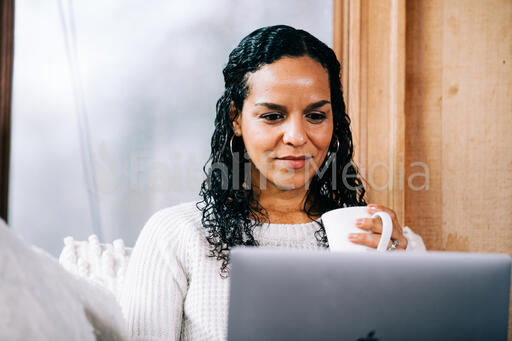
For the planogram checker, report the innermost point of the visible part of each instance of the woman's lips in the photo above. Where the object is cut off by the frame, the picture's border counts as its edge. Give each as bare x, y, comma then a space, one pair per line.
293, 162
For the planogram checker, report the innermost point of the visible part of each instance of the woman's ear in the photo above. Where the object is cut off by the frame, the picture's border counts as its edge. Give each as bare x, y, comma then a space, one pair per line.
235, 116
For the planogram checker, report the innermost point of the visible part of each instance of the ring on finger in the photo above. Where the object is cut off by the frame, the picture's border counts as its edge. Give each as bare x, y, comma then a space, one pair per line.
394, 245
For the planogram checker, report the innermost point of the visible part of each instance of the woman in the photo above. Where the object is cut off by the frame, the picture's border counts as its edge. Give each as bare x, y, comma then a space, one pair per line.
281, 145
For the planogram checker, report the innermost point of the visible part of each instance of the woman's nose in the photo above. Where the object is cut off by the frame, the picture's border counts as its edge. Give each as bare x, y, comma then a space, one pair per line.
294, 132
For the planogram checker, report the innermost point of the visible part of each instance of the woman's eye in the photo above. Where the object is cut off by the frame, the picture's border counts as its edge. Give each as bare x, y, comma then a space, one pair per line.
316, 117
272, 116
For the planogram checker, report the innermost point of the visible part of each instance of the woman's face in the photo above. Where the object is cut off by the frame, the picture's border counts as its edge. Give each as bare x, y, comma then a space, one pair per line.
286, 122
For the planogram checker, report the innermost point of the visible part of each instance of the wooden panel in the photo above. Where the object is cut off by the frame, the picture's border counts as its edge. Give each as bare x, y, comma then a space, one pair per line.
347, 46
372, 51
458, 121
378, 123
6, 63
423, 137
477, 125
354, 78
385, 84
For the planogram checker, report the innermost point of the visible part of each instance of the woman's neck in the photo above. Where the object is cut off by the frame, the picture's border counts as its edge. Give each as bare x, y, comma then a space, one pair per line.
283, 206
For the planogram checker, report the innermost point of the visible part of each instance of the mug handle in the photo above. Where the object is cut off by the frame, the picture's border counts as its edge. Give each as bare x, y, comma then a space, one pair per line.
387, 229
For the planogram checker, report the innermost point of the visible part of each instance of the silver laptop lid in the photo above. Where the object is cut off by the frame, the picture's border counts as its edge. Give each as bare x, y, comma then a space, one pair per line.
278, 294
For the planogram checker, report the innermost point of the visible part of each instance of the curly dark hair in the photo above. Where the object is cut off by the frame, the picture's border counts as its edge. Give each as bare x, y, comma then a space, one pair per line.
230, 210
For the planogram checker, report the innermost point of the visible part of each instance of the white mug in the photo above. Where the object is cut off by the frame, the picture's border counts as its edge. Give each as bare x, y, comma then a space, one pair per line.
339, 223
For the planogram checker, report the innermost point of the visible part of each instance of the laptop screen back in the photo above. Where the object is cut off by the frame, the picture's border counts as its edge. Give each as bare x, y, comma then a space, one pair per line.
321, 295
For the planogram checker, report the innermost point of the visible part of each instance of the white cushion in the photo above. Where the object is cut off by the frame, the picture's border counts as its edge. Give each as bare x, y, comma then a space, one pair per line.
39, 300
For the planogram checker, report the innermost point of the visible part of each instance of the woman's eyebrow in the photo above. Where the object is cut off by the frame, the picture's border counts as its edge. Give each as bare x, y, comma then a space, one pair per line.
311, 106
317, 105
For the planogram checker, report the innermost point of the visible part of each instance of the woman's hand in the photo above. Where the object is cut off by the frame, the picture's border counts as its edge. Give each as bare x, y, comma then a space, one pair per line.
375, 226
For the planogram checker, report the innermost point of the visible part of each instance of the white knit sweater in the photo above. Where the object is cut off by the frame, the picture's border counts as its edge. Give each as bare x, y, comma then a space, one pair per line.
173, 290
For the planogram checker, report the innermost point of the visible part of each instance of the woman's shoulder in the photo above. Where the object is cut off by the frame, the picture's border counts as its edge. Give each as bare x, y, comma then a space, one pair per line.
173, 222
186, 212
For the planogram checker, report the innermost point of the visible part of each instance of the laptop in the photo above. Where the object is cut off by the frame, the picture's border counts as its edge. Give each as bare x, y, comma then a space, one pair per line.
282, 294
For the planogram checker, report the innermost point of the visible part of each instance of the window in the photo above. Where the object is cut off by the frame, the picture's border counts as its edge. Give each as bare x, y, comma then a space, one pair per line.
114, 104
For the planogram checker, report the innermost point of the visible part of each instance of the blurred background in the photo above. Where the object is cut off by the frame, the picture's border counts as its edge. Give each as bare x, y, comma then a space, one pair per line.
113, 106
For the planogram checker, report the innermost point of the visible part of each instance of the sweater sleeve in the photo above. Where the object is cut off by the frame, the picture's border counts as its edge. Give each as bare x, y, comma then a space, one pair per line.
155, 284
414, 241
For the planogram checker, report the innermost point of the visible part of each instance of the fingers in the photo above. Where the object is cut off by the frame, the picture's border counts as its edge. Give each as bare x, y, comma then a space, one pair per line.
376, 225
370, 224
372, 208
367, 239
371, 240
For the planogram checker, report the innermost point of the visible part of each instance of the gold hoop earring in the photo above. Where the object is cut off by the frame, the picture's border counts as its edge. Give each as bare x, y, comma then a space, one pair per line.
331, 155
231, 146
337, 144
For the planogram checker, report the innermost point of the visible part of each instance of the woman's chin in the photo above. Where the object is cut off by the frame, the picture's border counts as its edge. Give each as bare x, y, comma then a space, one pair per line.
286, 187
285, 180
289, 185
